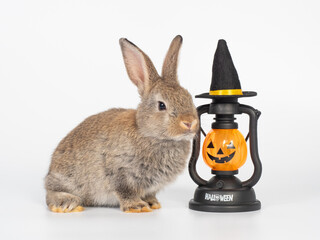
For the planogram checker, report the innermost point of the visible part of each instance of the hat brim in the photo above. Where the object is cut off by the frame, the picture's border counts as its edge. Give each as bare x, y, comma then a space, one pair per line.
245, 94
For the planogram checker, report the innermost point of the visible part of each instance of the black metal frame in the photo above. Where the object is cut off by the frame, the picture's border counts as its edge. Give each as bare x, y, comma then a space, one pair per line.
253, 116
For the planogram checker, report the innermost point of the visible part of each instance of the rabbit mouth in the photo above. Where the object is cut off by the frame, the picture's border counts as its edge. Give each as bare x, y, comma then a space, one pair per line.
186, 136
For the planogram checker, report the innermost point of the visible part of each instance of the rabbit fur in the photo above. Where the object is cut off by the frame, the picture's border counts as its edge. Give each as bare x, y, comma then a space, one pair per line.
125, 156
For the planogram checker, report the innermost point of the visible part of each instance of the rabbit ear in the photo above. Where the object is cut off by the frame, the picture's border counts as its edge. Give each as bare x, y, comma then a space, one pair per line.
139, 66
169, 69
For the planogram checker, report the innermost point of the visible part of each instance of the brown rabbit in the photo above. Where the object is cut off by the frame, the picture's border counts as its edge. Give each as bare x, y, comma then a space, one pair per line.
125, 156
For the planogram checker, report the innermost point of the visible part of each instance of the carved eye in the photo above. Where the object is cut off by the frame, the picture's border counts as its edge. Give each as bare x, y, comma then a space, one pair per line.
231, 146
210, 145
161, 106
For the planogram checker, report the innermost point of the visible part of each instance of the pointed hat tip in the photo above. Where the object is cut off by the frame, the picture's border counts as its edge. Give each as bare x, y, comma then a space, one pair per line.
222, 42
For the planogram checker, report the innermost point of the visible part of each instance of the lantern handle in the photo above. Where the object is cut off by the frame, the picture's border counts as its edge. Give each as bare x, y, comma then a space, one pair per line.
196, 149
254, 114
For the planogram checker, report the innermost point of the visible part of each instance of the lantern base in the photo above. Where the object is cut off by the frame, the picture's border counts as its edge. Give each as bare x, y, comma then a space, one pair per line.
248, 207
224, 194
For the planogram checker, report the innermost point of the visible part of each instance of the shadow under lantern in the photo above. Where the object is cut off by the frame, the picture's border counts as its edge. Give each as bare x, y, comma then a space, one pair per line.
224, 148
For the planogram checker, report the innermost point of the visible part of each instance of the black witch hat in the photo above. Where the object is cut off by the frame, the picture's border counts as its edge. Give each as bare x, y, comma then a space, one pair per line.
225, 81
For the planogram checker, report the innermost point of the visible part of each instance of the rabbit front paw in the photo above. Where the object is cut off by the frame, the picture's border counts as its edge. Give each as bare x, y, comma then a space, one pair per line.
135, 207
59, 209
153, 202
62, 202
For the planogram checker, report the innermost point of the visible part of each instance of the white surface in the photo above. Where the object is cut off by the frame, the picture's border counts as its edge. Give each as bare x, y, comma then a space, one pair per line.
60, 62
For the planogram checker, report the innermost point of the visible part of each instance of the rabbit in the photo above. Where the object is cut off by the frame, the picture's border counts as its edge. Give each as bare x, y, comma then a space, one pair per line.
123, 157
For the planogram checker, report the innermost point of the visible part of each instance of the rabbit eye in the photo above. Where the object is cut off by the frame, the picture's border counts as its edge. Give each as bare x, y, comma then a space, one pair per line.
161, 106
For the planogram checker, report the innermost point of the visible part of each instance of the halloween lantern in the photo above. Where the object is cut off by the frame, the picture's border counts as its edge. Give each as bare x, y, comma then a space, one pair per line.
224, 148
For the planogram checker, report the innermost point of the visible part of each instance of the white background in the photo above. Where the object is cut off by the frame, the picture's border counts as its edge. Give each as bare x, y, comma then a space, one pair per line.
60, 62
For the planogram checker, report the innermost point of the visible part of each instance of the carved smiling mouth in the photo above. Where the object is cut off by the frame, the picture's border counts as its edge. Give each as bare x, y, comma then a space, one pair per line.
221, 160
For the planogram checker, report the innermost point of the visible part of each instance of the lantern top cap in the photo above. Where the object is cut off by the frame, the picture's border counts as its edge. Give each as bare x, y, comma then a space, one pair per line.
225, 81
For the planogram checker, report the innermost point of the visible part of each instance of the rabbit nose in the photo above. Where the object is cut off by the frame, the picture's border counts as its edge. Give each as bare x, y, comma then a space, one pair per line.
188, 125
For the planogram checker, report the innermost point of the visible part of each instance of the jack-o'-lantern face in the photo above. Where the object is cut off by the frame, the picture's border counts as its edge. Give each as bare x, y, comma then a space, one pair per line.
227, 153
224, 149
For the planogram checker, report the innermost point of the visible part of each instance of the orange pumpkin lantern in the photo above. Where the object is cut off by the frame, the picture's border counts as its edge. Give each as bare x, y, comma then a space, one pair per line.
224, 149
